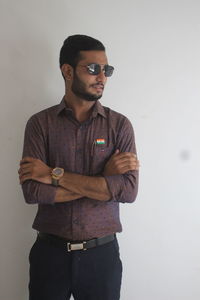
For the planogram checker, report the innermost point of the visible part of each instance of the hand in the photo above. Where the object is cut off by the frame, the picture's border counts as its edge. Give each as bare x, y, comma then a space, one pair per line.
34, 169
120, 163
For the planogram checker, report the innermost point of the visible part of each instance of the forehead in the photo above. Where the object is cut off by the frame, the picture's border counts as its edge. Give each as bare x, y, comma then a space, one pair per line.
93, 56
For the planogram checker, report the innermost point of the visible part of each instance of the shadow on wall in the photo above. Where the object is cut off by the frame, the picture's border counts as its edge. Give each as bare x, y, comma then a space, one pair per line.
26, 65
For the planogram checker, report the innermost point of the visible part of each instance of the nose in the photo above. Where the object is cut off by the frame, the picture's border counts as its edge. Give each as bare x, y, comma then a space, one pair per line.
101, 77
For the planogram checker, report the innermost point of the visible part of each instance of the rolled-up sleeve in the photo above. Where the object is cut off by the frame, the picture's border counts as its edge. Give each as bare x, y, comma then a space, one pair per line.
35, 145
124, 188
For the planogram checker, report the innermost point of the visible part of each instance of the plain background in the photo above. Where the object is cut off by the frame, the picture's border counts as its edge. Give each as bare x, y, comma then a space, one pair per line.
155, 48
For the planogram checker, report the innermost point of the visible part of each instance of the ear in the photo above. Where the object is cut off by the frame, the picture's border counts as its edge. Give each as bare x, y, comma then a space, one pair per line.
67, 71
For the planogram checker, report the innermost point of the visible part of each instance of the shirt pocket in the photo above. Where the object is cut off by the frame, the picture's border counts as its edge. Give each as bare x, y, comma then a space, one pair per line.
99, 157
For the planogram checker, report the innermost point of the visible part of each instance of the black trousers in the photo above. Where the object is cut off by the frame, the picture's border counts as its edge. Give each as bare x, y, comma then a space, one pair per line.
55, 274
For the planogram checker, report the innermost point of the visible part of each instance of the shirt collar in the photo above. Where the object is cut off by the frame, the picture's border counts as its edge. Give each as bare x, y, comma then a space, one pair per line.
62, 106
97, 109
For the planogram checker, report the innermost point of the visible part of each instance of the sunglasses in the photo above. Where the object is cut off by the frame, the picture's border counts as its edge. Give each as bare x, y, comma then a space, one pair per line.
95, 69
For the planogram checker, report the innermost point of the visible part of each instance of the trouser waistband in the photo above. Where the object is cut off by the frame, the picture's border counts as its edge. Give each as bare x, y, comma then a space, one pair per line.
71, 245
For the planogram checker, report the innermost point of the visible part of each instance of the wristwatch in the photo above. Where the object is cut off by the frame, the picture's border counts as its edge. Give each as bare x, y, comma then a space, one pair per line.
56, 174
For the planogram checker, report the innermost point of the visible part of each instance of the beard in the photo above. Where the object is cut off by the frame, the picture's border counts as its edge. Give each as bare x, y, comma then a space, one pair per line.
79, 89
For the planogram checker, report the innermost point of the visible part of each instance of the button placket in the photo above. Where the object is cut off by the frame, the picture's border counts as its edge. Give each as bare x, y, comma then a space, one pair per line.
79, 165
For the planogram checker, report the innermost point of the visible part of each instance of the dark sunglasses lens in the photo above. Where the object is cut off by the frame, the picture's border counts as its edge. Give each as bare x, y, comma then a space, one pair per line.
108, 70
94, 69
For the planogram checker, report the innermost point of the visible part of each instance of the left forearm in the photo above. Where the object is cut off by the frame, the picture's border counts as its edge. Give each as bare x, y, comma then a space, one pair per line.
87, 186
80, 186
64, 195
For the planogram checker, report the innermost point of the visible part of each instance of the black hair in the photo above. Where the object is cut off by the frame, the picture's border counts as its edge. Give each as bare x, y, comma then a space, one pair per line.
70, 51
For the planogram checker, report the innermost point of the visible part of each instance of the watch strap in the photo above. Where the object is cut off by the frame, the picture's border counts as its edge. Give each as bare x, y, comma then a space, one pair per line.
54, 181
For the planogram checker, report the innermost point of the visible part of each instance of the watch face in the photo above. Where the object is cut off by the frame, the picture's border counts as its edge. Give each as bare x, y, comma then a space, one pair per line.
57, 171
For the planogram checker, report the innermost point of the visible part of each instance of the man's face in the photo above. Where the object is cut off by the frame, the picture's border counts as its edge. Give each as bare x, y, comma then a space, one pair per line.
86, 86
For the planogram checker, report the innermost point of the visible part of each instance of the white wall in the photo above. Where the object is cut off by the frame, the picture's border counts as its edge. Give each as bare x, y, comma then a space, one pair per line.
154, 46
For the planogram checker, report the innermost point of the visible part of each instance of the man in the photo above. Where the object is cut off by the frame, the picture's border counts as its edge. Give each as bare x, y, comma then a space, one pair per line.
79, 162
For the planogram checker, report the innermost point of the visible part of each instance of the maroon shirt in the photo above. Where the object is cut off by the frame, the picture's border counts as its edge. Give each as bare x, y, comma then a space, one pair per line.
58, 139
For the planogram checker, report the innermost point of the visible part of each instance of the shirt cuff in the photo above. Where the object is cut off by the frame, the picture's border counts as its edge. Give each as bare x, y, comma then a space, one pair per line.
115, 185
36, 192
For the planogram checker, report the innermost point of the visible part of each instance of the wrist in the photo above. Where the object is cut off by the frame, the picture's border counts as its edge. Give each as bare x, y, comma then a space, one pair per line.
56, 174
48, 177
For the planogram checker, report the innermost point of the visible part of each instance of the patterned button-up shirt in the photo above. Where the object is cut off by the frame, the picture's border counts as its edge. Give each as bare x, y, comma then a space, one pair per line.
59, 140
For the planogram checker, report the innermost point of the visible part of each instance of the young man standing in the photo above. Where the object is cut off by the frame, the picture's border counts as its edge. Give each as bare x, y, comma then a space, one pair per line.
79, 162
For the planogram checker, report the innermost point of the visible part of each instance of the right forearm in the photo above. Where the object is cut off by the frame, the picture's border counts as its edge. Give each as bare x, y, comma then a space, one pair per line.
94, 187
75, 186
63, 195
38, 193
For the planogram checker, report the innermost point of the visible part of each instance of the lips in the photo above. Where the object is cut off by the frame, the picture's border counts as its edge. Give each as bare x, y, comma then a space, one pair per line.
98, 86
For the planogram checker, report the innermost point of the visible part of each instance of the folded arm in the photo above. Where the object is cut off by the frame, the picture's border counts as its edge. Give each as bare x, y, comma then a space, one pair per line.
118, 182
36, 147
74, 186
124, 186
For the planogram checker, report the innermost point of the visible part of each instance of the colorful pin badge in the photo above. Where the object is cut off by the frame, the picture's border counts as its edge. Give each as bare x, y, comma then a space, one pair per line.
100, 141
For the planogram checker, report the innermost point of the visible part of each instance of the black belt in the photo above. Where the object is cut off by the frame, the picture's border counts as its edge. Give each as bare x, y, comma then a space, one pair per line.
71, 245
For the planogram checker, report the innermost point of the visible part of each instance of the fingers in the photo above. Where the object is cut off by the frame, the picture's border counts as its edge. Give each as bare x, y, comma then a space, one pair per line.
116, 152
124, 162
123, 168
127, 168
27, 164
34, 169
120, 155
24, 175
137, 166
25, 170
27, 159
124, 157
23, 178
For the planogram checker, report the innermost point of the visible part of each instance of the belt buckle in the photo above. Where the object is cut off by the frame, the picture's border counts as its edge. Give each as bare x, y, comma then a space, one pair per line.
79, 246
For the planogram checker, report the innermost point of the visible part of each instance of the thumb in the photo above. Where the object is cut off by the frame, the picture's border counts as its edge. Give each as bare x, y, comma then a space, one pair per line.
116, 152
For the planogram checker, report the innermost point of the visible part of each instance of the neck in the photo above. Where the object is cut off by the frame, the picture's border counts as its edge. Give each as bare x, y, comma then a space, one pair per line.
80, 107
